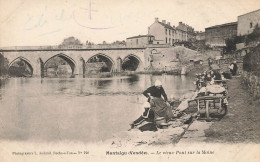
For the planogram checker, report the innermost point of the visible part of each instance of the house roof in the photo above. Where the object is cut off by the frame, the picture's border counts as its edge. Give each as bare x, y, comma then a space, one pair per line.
139, 36
222, 25
249, 12
166, 26
178, 28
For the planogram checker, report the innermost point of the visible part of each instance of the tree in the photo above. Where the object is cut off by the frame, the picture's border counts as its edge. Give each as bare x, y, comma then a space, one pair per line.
251, 60
71, 41
119, 42
255, 35
230, 45
3, 65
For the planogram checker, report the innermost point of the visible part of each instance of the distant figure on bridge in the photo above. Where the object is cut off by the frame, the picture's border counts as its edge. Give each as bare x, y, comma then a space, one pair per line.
233, 68
159, 105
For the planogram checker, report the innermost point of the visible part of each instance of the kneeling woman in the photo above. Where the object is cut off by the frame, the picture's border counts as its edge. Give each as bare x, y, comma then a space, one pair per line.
159, 105
146, 121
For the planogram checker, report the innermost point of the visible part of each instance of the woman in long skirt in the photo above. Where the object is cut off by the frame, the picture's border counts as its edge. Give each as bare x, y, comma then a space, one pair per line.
159, 105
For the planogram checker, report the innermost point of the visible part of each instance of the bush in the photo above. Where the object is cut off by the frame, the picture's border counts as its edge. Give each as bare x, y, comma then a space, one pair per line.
251, 61
254, 36
231, 42
230, 45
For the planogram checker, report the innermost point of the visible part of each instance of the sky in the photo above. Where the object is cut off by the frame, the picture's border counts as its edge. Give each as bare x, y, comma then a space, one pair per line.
48, 22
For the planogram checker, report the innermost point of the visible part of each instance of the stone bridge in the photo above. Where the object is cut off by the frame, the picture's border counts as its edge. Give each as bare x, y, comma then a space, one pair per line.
37, 59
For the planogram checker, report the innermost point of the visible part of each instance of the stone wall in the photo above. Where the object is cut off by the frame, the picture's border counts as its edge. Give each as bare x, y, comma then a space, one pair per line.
247, 22
94, 67
253, 83
216, 35
174, 58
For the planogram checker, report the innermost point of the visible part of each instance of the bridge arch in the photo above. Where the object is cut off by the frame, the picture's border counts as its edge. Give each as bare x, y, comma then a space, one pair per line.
100, 57
19, 58
19, 71
66, 58
131, 62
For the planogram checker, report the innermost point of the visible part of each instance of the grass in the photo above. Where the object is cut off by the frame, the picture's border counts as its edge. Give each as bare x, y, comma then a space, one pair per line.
242, 123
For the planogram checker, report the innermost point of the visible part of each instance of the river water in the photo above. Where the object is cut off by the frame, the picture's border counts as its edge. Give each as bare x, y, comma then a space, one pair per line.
77, 109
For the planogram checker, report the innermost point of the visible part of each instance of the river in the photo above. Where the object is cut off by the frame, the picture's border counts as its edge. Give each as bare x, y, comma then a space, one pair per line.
77, 109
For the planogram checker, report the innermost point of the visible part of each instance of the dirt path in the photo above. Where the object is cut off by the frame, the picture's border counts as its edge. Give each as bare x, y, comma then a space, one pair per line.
242, 123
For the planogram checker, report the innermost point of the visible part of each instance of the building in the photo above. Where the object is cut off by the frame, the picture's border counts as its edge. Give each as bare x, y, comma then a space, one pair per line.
200, 36
181, 35
163, 33
139, 41
184, 32
247, 22
216, 36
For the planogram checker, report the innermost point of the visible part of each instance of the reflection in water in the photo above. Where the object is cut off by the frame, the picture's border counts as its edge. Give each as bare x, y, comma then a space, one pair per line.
2, 87
100, 84
133, 79
80, 109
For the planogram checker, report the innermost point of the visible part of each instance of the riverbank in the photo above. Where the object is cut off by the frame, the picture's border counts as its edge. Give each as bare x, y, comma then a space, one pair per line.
4, 77
242, 123
162, 137
184, 115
